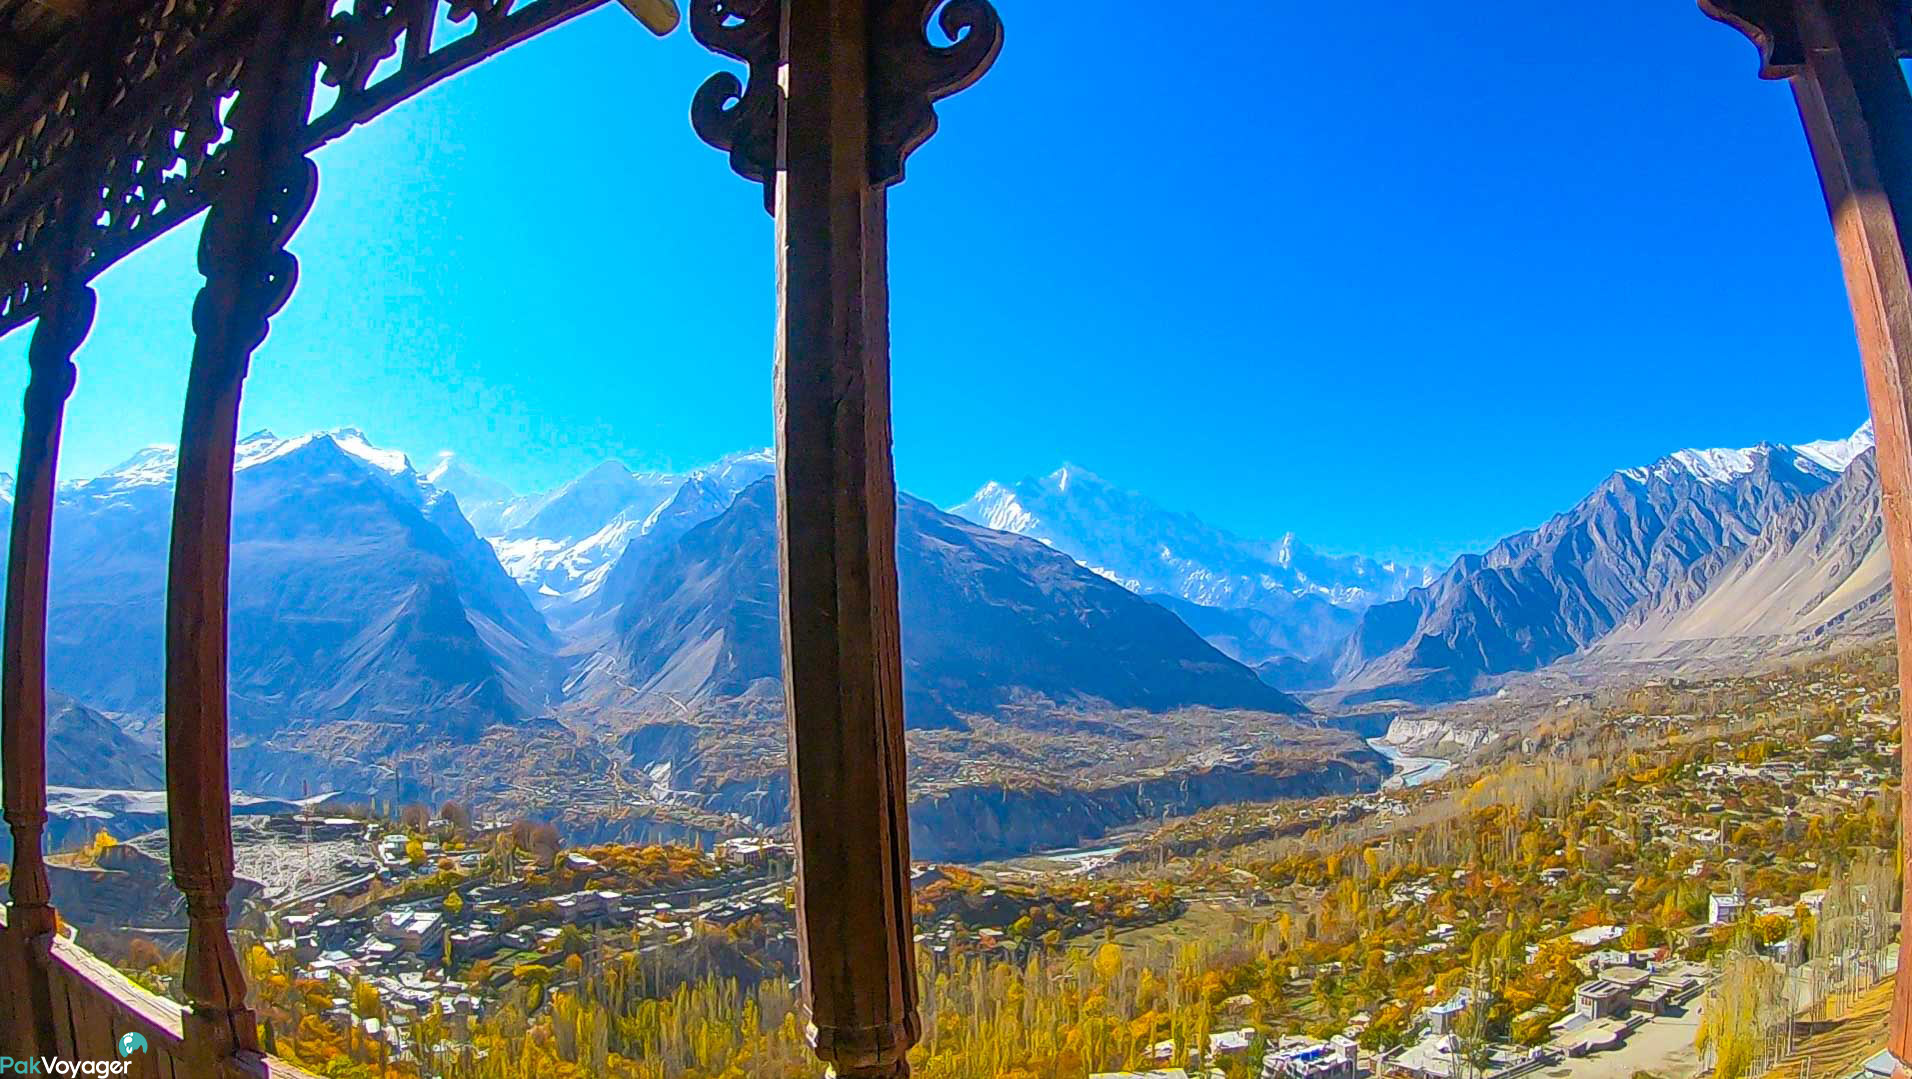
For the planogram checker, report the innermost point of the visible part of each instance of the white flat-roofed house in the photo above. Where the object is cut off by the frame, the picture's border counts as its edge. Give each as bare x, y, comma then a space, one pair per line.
1600, 998
1306, 1058
410, 930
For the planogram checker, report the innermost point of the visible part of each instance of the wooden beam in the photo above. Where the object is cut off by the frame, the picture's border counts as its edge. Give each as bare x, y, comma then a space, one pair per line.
1853, 99
843, 669
268, 189
660, 17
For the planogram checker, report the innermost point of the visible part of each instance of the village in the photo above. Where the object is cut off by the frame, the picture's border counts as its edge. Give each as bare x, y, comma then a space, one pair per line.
1571, 907
1568, 902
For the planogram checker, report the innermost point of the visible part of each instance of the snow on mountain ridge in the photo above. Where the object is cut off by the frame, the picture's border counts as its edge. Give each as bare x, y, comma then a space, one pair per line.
155, 464
1724, 466
1838, 454
560, 544
1129, 539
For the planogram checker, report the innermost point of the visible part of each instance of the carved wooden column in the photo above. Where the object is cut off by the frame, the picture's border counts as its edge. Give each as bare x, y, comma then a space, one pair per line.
65, 317
267, 187
859, 77
1842, 57
64, 320
63, 323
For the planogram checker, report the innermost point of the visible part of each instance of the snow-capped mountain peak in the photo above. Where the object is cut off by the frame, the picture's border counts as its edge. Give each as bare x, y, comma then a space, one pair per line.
1128, 538
1723, 467
995, 506
561, 544
1836, 454
152, 464
476, 493
353, 441
1062, 477
1716, 466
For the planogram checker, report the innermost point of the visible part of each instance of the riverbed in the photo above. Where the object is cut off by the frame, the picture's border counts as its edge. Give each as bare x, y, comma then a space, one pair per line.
1409, 771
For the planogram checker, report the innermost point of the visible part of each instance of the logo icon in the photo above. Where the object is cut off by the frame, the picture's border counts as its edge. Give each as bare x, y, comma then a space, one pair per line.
130, 1041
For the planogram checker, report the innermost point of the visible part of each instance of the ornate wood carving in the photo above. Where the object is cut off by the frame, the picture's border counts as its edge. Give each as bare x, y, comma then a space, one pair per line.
57, 252
163, 122
741, 117
28, 250
908, 73
840, 131
150, 128
23, 698
265, 187
838, 94
360, 36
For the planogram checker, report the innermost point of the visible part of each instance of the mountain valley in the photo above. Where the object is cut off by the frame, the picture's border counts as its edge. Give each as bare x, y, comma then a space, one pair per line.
1076, 657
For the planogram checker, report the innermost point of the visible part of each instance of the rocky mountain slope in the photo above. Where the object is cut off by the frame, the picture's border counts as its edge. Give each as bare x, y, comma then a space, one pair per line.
358, 593
1265, 598
987, 617
1647, 539
86, 749
1819, 567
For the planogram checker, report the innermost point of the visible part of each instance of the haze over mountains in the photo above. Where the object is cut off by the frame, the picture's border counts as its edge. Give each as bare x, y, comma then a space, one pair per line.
376, 608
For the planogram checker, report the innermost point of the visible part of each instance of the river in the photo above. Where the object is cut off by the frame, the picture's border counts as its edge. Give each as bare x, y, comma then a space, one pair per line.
1409, 771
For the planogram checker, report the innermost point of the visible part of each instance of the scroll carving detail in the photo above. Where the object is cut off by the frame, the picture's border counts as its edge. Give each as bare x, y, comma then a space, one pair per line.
363, 34
910, 73
159, 132
740, 117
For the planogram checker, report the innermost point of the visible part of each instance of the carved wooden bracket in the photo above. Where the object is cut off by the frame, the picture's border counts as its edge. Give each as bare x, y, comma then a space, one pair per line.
736, 116
909, 72
1776, 27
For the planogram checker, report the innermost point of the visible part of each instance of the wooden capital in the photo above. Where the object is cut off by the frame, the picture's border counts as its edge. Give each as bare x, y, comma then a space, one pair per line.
906, 71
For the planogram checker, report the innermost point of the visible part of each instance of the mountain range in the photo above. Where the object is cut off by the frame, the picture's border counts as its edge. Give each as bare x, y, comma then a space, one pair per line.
369, 617
1277, 597
377, 609
1704, 551
561, 544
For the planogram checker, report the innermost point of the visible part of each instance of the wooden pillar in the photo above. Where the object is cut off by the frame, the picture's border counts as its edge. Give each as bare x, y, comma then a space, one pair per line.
62, 325
64, 320
268, 187
836, 512
1842, 57
840, 93
1857, 111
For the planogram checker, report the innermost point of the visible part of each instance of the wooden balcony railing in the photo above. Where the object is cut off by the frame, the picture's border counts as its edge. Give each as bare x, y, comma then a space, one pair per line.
93, 1006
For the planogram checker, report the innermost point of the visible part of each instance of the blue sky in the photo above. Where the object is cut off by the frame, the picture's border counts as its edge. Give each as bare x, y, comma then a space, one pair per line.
1396, 281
